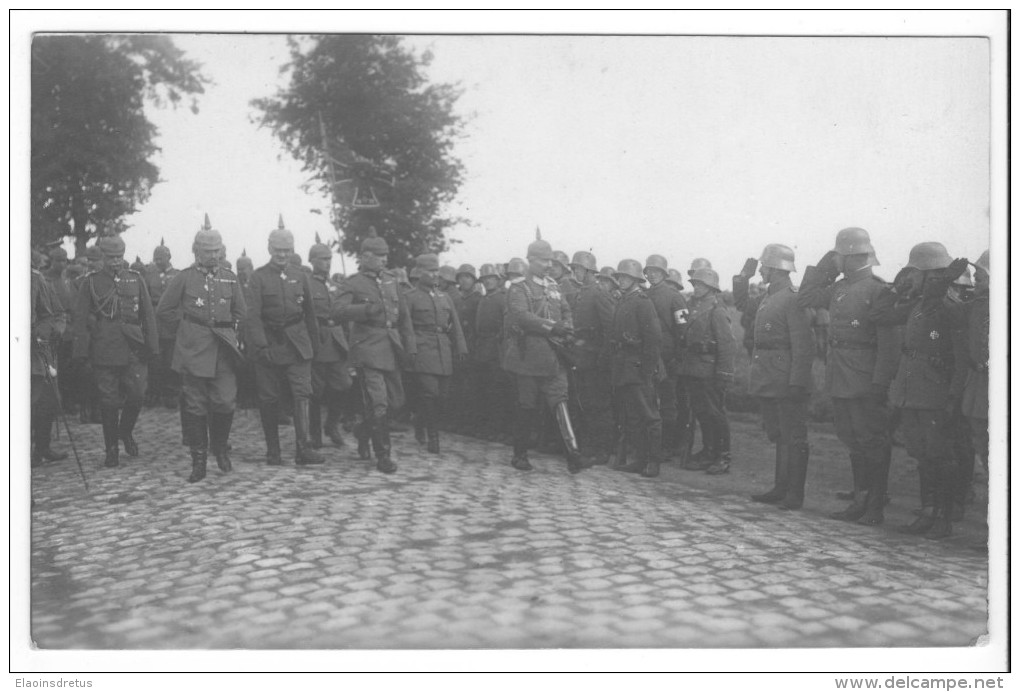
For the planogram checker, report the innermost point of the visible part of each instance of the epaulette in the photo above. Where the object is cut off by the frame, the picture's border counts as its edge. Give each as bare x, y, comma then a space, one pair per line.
129, 270
517, 280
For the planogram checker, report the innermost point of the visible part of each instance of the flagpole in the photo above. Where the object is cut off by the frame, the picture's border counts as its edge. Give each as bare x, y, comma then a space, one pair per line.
332, 192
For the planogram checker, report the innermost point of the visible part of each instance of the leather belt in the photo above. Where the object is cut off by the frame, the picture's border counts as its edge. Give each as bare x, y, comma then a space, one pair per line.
936, 362
123, 320
297, 319
853, 345
207, 323
703, 349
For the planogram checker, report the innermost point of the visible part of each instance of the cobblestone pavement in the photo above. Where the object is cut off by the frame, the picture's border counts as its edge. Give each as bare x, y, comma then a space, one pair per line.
461, 551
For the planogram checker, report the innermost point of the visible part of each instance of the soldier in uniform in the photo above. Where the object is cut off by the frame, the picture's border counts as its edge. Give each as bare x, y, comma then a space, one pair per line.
635, 341
247, 396
164, 382
331, 380
780, 371
561, 274
281, 336
974, 399
203, 306
536, 312
63, 294
86, 393
115, 329
608, 283
671, 310
381, 339
593, 321
438, 340
707, 369
855, 379
924, 385
491, 396
465, 373
46, 317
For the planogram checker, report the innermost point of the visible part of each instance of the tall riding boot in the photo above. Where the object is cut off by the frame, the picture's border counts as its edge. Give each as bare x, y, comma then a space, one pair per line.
668, 445
420, 428
942, 527
42, 433
878, 488
334, 415
304, 454
655, 452
684, 435
705, 457
931, 491
363, 433
431, 410
381, 442
269, 415
778, 491
522, 435
128, 418
575, 464
219, 437
797, 463
111, 435
196, 432
637, 442
314, 424
857, 506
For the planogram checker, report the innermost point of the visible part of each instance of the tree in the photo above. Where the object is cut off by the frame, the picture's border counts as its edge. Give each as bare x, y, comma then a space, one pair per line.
381, 117
91, 140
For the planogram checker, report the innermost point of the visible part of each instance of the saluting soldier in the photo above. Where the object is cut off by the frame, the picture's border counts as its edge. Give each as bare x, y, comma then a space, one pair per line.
593, 321
671, 310
281, 335
635, 341
855, 378
780, 374
381, 340
439, 340
924, 387
707, 369
46, 316
203, 306
536, 312
115, 329
974, 400
164, 383
331, 379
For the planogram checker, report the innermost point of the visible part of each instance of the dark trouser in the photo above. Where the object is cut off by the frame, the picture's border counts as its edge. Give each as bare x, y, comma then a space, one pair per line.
979, 437
684, 431
862, 425
785, 422
43, 412
276, 382
532, 391
594, 397
927, 433
708, 402
121, 386
666, 391
165, 383
494, 397
217, 394
643, 423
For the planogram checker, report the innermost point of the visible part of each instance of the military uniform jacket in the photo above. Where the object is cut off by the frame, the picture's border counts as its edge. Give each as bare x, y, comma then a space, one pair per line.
635, 340
593, 322
62, 295
570, 288
534, 305
709, 346
784, 345
280, 325
113, 319
929, 359
466, 313
203, 310
333, 346
489, 327
157, 281
437, 331
670, 306
45, 319
975, 325
858, 351
378, 341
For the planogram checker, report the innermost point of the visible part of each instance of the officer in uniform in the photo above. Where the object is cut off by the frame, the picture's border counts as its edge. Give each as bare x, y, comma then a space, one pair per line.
924, 385
281, 336
671, 310
536, 312
492, 395
465, 373
46, 317
593, 321
780, 370
381, 339
707, 369
975, 392
331, 379
115, 329
635, 340
438, 340
164, 383
203, 306
63, 295
855, 379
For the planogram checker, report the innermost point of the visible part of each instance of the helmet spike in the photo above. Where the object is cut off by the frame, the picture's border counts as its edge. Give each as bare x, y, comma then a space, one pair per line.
207, 226
318, 240
538, 233
244, 252
279, 224
161, 242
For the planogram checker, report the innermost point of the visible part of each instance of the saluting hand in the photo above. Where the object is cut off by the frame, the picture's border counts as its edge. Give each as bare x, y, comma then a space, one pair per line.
749, 268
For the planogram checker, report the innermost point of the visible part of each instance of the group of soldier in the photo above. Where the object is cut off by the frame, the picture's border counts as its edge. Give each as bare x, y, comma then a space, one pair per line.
619, 363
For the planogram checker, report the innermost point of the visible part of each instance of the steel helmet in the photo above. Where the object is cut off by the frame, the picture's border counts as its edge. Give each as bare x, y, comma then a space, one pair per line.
631, 268
447, 273
429, 262
657, 261
585, 260
607, 274
698, 263
466, 269
925, 256
561, 259
706, 276
415, 272
401, 275
778, 257
675, 278
488, 270
983, 262
540, 249
854, 241
516, 267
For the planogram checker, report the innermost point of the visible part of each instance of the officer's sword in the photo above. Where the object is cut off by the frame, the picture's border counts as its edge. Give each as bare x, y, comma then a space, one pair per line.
50, 375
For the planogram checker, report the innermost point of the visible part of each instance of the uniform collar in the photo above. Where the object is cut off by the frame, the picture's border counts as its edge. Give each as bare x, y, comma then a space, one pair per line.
859, 275
777, 285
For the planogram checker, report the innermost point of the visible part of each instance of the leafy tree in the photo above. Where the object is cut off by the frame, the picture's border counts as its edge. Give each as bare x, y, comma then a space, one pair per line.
381, 119
91, 140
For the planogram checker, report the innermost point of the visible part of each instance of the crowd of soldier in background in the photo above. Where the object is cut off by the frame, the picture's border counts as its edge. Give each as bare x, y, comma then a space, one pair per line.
609, 366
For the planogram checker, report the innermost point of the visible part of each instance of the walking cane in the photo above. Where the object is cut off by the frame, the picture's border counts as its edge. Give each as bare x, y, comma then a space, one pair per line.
50, 373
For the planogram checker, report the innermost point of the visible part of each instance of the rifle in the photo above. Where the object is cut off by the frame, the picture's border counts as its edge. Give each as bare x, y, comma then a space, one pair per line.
50, 375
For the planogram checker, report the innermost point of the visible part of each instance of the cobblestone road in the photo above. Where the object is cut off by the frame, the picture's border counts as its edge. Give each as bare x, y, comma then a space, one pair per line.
461, 551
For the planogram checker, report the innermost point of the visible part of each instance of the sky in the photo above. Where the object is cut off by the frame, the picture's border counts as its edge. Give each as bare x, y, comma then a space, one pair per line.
685, 146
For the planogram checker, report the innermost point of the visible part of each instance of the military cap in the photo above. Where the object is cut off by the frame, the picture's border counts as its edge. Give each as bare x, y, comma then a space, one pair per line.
93, 252
698, 263
560, 258
656, 262
111, 245
488, 270
706, 276
778, 256
585, 260
138, 265
207, 239
244, 261
631, 268
607, 274
280, 238
466, 269
374, 244
540, 249
447, 273
319, 251
675, 278
516, 267
853, 241
984, 262
927, 256
429, 262
161, 251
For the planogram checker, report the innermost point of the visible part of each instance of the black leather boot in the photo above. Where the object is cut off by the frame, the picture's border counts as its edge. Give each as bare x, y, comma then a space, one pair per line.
381, 442
314, 425
575, 462
431, 410
942, 527
655, 452
334, 417
874, 514
128, 418
797, 474
363, 433
522, 433
219, 437
304, 454
198, 464
270, 429
111, 436
42, 432
779, 485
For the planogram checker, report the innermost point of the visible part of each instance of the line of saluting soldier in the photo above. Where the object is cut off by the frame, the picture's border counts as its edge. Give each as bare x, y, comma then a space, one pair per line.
636, 367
